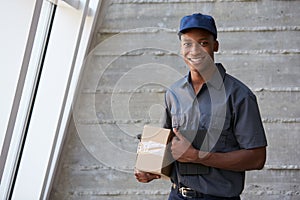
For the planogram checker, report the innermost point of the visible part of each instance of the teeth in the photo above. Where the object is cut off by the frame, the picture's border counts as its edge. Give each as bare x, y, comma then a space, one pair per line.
195, 59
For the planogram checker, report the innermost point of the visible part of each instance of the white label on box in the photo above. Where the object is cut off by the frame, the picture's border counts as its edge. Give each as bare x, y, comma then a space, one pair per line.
151, 148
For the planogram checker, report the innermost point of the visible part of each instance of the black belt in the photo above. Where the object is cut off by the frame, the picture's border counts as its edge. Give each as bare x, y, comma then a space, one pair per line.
188, 192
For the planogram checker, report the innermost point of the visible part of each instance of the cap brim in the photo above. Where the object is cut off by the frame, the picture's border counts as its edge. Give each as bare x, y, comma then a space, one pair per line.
195, 27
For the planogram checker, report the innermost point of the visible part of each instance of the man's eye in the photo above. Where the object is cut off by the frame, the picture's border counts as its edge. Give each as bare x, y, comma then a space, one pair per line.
187, 44
203, 44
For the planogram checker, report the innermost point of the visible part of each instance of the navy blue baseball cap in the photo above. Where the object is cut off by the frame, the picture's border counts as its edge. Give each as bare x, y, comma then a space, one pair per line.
200, 21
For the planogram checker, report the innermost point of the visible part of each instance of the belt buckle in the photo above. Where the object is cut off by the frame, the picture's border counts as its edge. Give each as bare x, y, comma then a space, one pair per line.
185, 192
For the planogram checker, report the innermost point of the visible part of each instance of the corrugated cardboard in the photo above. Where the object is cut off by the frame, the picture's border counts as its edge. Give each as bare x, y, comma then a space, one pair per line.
153, 154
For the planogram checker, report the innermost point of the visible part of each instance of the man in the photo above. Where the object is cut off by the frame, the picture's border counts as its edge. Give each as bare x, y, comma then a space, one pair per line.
216, 121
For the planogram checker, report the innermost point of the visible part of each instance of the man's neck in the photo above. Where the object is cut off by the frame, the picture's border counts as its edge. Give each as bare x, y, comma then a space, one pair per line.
198, 79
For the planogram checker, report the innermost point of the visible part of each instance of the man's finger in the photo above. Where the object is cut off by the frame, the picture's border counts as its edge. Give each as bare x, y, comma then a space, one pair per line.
178, 134
153, 176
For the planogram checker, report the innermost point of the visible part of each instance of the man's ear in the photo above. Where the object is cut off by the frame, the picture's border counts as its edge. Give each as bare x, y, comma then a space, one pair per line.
216, 46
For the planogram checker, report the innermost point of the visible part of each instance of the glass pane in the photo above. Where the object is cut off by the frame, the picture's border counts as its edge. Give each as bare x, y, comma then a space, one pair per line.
13, 140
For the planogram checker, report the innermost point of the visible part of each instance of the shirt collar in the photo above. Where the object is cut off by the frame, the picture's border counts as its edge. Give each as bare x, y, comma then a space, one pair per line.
216, 80
218, 77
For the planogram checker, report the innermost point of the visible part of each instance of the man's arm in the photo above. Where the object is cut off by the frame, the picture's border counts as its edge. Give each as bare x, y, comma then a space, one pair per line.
240, 160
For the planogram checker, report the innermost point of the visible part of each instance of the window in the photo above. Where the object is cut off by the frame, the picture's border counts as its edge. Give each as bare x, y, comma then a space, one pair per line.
50, 53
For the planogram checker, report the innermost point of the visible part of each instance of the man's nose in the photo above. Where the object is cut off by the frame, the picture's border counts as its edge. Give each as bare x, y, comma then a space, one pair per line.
197, 48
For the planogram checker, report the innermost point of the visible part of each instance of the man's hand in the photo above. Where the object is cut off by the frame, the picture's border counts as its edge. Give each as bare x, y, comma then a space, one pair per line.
145, 177
182, 150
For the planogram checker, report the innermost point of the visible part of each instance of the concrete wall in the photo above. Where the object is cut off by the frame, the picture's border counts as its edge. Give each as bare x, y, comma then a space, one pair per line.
125, 77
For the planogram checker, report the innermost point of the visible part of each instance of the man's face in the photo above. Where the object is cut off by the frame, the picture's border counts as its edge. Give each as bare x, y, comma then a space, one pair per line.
197, 48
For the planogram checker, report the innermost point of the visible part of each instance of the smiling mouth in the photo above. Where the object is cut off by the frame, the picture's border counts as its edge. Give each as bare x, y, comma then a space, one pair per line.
196, 60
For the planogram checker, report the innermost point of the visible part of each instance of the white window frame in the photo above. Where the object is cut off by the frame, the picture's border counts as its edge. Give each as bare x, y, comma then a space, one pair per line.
70, 38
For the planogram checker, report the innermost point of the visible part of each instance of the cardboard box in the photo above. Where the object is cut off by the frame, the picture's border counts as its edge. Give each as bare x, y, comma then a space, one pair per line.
153, 154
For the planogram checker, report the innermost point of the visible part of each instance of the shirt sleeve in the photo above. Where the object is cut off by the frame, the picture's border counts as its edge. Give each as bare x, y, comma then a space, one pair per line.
166, 121
249, 130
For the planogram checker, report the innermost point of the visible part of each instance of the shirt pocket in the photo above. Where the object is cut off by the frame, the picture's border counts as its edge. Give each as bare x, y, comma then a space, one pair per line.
220, 123
227, 140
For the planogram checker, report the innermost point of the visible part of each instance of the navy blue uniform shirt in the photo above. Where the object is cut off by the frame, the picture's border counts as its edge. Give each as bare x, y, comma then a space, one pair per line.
222, 117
